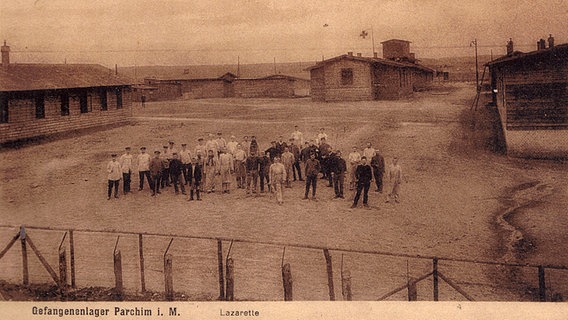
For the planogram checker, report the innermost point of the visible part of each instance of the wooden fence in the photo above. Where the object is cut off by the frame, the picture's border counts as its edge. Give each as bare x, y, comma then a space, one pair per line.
227, 266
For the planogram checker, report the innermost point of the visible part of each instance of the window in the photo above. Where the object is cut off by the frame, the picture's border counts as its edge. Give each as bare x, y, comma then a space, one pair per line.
3, 108
39, 106
346, 77
64, 104
104, 103
118, 98
83, 103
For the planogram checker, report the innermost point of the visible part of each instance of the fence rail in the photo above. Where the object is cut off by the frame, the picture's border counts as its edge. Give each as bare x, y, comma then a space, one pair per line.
226, 270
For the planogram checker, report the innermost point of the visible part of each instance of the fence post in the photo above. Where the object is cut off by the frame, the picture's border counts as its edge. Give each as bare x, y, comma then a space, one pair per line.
346, 285
168, 274
72, 257
25, 270
541, 284
221, 276
412, 292
287, 282
329, 274
435, 278
229, 292
62, 265
118, 273
141, 252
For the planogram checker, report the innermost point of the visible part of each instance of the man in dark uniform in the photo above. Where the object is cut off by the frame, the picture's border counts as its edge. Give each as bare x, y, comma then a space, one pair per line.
378, 165
252, 165
264, 171
338, 168
194, 175
312, 170
364, 175
280, 145
296, 167
156, 168
273, 150
176, 168
325, 151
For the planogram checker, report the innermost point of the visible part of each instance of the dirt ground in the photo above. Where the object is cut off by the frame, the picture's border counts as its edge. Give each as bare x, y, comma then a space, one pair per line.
459, 200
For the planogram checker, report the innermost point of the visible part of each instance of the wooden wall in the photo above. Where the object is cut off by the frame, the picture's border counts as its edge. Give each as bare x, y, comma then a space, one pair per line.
263, 88
22, 122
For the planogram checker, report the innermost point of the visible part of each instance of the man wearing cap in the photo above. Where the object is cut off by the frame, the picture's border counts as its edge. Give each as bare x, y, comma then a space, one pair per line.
211, 170
185, 157
144, 168
277, 178
211, 145
156, 169
226, 168
195, 175
364, 175
287, 160
252, 165
126, 166
312, 170
273, 150
369, 151
221, 142
264, 171
239, 166
378, 165
176, 168
295, 150
114, 174
165, 175
253, 146
325, 151
338, 168
201, 154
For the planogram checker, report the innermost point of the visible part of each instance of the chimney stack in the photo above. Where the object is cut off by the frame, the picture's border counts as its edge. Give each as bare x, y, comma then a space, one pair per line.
350, 53
510, 47
550, 41
5, 55
375, 54
359, 54
541, 44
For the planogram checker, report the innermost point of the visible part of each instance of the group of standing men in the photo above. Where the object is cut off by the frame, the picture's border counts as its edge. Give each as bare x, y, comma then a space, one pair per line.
277, 166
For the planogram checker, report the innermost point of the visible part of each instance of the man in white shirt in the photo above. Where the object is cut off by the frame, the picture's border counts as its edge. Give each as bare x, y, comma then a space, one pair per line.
143, 168
320, 135
369, 152
126, 167
114, 174
354, 159
211, 145
185, 158
239, 165
232, 145
221, 142
297, 136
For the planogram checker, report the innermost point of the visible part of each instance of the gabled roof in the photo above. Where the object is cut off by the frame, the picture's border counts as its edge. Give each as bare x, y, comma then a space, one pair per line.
26, 77
371, 61
396, 40
283, 76
558, 51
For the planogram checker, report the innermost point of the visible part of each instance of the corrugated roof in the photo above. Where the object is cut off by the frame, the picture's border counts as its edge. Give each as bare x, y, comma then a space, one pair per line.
371, 60
25, 77
558, 50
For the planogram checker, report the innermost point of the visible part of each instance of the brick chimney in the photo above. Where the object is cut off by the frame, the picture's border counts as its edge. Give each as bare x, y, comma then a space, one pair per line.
375, 54
359, 54
350, 53
510, 47
5, 55
541, 44
550, 41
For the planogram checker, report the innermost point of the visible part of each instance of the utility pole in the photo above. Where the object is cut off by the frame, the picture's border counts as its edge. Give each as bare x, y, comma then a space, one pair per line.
474, 43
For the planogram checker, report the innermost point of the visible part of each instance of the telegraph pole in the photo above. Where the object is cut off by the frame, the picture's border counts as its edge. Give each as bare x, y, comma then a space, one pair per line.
474, 43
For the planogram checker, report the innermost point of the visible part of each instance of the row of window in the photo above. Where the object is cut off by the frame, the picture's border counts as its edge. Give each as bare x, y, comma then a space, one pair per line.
85, 104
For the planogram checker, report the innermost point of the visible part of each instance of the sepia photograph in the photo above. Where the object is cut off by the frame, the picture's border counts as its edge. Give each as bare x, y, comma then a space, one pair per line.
329, 158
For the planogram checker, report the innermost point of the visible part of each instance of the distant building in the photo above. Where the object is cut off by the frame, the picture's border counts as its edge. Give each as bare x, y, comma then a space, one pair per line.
228, 86
42, 99
530, 91
354, 77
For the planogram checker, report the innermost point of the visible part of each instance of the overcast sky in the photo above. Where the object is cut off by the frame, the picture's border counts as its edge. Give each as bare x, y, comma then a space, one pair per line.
184, 32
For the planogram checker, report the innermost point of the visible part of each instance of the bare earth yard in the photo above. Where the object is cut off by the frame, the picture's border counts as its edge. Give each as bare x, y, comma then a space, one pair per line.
454, 196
